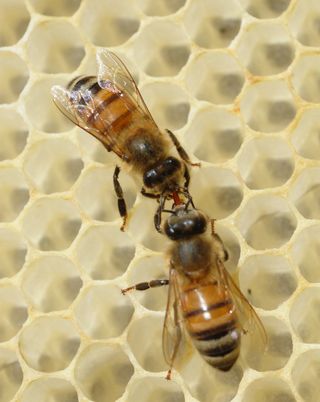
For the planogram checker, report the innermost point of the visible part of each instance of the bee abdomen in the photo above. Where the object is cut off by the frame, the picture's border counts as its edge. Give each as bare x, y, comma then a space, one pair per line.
213, 325
222, 352
110, 110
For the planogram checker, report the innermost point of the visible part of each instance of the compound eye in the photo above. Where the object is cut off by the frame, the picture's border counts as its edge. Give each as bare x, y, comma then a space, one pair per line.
172, 229
179, 227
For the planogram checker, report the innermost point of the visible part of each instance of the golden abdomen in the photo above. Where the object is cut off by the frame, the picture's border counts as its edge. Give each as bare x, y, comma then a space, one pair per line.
212, 323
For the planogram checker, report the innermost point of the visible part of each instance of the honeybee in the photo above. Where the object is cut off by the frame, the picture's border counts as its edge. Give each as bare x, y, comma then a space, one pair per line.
110, 107
203, 301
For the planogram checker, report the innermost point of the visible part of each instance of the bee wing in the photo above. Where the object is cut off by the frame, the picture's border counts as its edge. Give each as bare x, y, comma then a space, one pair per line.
249, 320
78, 107
115, 75
174, 343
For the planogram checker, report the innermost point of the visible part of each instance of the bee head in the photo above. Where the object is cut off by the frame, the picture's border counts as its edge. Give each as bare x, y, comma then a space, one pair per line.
162, 172
184, 223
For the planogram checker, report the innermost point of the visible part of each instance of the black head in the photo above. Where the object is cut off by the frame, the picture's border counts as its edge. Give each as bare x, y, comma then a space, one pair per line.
184, 223
161, 172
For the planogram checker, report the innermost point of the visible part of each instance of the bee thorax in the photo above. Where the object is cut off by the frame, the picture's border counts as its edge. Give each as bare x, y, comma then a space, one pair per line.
193, 256
144, 149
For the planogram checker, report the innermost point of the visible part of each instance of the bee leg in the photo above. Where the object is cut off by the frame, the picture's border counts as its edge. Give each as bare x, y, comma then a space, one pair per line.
181, 151
221, 251
186, 177
122, 207
146, 285
158, 215
149, 195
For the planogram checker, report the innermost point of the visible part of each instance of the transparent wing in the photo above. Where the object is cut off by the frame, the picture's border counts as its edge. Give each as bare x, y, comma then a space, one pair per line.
249, 320
114, 75
171, 334
79, 108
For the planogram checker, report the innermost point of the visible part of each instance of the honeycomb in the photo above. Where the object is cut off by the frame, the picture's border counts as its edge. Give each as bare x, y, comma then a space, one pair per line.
238, 82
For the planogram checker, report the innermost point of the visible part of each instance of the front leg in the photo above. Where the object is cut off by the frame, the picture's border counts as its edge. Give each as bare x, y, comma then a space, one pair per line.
146, 285
149, 195
158, 215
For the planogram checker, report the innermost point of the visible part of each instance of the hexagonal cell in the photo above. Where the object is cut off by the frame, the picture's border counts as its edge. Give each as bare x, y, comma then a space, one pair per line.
207, 384
266, 48
149, 389
107, 25
267, 389
13, 133
145, 341
265, 8
170, 48
103, 371
168, 104
103, 312
267, 280
14, 73
99, 261
161, 8
146, 234
305, 77
304, 22
215, 135
41, 110
305, 193
216, 191
55, 47
268, 106
305, 375
306, 134
58, 9
216, 24
57, 343
51, 223
266, 221
49, 390
14, 311
146, 269
14, 20
15, 193
305, 252
13, 250
11, 375
51, 283
60, 162
266, 162
278, 349
215, 77
96, 196
304, 316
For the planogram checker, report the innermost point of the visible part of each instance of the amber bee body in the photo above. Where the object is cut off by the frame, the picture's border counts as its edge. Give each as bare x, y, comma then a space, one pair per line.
203, 299
111, 108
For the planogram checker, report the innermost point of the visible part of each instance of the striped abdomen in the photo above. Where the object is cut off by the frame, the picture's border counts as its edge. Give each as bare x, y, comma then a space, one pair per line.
212, 324
105, 110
